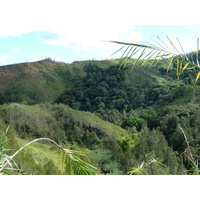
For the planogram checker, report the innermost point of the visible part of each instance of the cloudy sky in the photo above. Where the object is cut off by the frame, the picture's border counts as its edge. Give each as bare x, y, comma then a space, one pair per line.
66, 31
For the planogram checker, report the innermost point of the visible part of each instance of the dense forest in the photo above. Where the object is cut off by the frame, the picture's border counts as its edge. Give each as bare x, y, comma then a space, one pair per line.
122, 119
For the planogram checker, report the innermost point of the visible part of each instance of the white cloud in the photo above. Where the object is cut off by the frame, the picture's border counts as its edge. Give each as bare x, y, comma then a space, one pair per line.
16, 49
22, 16
4, 57
78, 24
92, 37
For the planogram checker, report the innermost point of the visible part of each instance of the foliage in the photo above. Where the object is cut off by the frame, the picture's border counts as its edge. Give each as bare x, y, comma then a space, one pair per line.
194, 160
131, 121
102, 99
161, 50
72, 164
64, 125
182, 62
128, 142
109, 89
145, 165
6, 161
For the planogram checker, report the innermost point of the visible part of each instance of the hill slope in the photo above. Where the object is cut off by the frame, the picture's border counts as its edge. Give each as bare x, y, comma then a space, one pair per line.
109, 147
34, 82
119, 117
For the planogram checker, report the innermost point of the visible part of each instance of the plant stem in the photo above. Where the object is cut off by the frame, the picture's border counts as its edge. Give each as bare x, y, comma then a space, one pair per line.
36, 140
186, 142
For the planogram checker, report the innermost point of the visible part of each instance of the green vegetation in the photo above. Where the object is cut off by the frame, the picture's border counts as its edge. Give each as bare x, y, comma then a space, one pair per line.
71, 163
124, 121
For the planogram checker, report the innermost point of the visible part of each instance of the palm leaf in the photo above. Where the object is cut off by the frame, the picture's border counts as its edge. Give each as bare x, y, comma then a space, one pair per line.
117, 50
196, 80
137, 170
182, 49
143, 52
146, 58
170, 63
185, 66
161, 50
74, 165
164, 43
173, 46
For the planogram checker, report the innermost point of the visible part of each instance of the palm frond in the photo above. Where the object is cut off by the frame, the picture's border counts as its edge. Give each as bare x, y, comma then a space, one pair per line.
196, 80
170, 63
158, 51
137, 170
163, 43
74, 165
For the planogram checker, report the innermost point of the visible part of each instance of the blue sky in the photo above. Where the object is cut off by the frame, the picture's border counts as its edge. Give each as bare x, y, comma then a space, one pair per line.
77, 30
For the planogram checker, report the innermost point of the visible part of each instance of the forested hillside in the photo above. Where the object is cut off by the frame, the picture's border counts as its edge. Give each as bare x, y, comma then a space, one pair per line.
119, 117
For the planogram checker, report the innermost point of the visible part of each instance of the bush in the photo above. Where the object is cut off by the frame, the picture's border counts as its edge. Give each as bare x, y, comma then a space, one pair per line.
131, 121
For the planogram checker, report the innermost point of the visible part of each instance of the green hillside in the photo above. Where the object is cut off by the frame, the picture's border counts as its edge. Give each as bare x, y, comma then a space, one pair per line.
120, 118
109, 147
73, 129
30, 83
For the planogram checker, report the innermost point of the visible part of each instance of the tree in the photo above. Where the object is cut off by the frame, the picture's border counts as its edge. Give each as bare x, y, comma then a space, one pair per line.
131, 121
176, 58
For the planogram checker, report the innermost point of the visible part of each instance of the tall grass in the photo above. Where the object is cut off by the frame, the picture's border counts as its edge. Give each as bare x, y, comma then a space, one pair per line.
193, 159
6, 162
72, 164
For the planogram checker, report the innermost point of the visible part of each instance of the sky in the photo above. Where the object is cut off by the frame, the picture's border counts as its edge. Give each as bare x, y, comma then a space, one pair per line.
70, 30
77, 30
